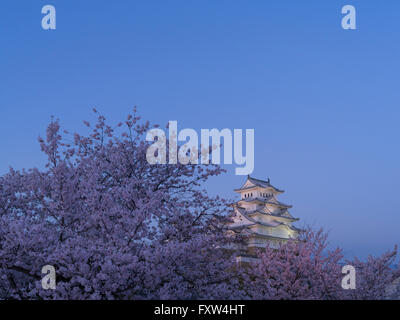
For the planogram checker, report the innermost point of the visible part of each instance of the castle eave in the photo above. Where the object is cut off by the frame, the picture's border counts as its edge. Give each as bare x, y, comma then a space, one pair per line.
266, 201
254, 212
260, 235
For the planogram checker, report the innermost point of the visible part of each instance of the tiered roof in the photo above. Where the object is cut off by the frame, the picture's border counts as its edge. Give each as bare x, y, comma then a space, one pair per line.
273, 223
258, 212
283, 214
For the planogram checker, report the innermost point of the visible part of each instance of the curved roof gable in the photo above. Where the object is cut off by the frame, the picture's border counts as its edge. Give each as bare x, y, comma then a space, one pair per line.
253, 182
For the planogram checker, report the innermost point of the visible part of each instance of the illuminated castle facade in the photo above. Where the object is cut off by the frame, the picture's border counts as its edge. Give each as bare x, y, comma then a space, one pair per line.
261, 217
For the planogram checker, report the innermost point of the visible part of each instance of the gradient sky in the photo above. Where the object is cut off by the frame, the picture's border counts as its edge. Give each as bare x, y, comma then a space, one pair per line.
323, 101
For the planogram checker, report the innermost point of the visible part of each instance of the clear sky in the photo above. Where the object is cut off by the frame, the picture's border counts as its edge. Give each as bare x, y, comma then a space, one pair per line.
324, 102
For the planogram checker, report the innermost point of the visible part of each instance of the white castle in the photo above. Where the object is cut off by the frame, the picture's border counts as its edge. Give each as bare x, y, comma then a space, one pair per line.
261, 217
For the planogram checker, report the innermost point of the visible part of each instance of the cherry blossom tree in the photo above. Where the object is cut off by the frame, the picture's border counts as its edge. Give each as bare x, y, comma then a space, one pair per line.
306, 269
112, 225
297, 270
374, 276
116, 227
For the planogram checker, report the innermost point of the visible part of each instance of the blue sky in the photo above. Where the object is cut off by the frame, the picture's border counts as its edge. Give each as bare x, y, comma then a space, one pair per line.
323, 101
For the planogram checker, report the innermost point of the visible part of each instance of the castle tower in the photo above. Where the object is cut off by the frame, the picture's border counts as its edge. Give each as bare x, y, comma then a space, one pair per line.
261, 217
